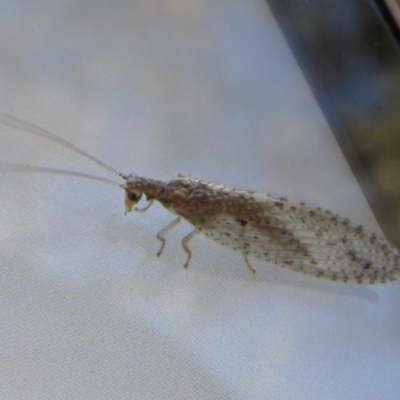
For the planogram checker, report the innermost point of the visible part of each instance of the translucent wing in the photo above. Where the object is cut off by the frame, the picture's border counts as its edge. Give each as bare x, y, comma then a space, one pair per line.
296, 236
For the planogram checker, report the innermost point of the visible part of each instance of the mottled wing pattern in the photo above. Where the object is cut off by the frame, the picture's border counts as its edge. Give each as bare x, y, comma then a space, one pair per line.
297, 236
341, 249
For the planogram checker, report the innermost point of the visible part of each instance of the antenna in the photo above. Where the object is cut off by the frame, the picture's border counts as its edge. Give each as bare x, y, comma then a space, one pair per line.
9, 167
13, 122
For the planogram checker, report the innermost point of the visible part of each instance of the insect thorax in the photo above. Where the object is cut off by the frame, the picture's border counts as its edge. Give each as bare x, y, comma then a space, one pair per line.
195, 200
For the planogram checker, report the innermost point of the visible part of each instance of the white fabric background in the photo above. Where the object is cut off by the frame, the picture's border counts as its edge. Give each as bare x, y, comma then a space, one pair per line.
161, 87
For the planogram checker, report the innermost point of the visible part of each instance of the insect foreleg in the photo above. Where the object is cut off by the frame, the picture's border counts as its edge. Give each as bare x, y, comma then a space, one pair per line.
146, 207
160, 235
185, 246
252, 270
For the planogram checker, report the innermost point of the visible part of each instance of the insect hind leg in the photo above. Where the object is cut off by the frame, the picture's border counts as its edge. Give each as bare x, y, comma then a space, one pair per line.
160, 235
251, 269
185, 246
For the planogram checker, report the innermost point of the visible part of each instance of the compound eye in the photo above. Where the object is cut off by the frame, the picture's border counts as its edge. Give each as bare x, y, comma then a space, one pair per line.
134, 196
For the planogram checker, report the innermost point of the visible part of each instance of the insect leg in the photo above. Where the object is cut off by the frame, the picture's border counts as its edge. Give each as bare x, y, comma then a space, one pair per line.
185, 246
160, 235
251, 269
146, 207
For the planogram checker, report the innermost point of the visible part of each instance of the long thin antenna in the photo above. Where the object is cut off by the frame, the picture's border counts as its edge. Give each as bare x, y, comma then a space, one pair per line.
9, 167
13, 122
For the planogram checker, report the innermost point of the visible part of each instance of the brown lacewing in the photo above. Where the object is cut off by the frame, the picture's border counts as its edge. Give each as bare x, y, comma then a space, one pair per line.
290, 234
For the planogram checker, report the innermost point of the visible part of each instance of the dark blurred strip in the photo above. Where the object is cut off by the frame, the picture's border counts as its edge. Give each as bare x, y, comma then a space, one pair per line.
391, 10
350, 57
